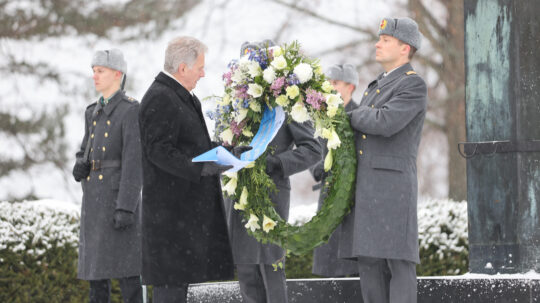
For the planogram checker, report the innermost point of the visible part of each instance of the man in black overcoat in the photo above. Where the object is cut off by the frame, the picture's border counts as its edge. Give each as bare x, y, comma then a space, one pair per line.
184, 233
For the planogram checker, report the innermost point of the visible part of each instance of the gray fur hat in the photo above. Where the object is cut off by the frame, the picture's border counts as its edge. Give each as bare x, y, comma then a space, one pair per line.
246, 46
404, 29
112, 58
344, 72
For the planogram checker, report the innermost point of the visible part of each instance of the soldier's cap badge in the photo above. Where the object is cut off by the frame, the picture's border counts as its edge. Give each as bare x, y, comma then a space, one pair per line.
383, 23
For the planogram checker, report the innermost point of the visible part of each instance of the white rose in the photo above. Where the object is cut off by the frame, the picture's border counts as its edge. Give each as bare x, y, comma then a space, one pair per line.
299, 113
252, 223
327, 87
333, 141
255, 90
254, 69
282, 100
226, 136
333, 100
268, 224
277, 50
279, 63
304, 72
269, 75
255, 106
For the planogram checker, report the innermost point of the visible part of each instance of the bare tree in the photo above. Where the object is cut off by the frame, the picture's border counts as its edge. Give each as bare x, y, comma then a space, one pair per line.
39, 138
443, 29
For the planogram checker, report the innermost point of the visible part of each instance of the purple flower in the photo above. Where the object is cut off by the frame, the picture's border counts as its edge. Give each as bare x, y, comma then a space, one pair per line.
227, 78
314, 98
241, 92
293, 79
237, 128
277, 85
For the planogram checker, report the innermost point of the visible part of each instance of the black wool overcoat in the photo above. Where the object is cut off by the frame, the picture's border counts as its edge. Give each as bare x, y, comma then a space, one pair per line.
184, 234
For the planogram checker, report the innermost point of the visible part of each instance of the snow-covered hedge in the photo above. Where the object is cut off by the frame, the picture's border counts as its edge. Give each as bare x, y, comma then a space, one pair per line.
35, 226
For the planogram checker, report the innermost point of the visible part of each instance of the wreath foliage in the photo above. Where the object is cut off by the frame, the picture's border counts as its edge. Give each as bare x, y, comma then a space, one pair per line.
283, 76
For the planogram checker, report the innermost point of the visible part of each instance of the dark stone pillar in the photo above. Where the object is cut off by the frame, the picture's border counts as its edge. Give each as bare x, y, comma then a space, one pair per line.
502, 61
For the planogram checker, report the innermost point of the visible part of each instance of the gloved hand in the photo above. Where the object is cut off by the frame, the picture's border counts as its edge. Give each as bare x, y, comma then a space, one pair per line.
318, 172
122, 219
238, 150
81, 170
273, 165
214, 169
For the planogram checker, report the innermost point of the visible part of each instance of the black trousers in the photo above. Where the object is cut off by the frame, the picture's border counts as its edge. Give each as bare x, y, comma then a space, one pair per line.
170, 293
259, 283
100, 290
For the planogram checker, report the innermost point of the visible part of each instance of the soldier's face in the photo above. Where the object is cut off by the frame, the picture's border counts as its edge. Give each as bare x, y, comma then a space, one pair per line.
191, 75
344, 89
390, 51
105, 79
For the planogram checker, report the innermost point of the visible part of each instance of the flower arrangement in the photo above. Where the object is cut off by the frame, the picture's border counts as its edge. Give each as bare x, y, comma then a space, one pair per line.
283, 76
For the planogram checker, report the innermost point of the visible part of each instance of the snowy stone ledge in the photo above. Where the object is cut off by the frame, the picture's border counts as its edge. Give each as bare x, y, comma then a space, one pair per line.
468, 288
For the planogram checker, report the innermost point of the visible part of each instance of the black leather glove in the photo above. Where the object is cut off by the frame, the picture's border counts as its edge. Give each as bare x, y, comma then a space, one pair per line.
238, 150
318, 172
81, 170
214, 169
122, 219
273, 165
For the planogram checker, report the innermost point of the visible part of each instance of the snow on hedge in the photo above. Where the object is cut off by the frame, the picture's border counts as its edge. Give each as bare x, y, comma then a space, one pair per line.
35, 226
442, 223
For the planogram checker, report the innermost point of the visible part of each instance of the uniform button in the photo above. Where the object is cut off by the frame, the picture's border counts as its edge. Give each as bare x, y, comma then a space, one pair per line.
361, 152
364, 137
378, 91
108, 122
100, 177
94, 123
365, 94
91, 149
106, 135
92, 136
88, 178
372, 106
103, 148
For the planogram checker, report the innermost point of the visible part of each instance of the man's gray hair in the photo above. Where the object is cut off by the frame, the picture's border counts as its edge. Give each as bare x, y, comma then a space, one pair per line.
182, 50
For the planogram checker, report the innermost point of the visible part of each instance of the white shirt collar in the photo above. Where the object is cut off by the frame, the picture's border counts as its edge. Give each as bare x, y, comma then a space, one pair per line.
387, 73
170, 75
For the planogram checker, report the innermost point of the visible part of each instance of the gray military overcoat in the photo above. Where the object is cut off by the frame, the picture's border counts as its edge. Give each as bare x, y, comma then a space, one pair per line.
388, 125
113, 183
325, 257
247, 250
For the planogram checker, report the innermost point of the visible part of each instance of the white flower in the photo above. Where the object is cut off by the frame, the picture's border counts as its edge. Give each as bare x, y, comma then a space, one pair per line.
254, 69
246, 132
328, 161
230, 187
318, 69
241, 205
304, 72
277, 50
333, 141
226, 100
279, 63
282, 100
241, 115
238, 76
255, 90
268, 224
327, 87
292, 92
333, 100
255, 106
252, 223
226, 136
331, 111
318, 128
269, 75
299, 113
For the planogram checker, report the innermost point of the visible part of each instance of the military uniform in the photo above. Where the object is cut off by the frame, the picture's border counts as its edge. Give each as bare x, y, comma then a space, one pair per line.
114, 182
388, 125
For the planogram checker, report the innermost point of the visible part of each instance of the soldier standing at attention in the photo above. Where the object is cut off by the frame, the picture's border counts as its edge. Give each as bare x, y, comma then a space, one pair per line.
344, 78
382, 230
108, 166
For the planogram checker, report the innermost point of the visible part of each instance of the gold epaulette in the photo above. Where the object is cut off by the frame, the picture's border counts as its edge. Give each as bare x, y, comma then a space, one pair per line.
411, 72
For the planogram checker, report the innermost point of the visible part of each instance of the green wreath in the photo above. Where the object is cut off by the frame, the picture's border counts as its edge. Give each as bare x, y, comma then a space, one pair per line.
283, 76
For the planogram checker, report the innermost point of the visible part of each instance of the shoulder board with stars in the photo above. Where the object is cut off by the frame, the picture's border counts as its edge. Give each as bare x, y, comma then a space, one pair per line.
411, 72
